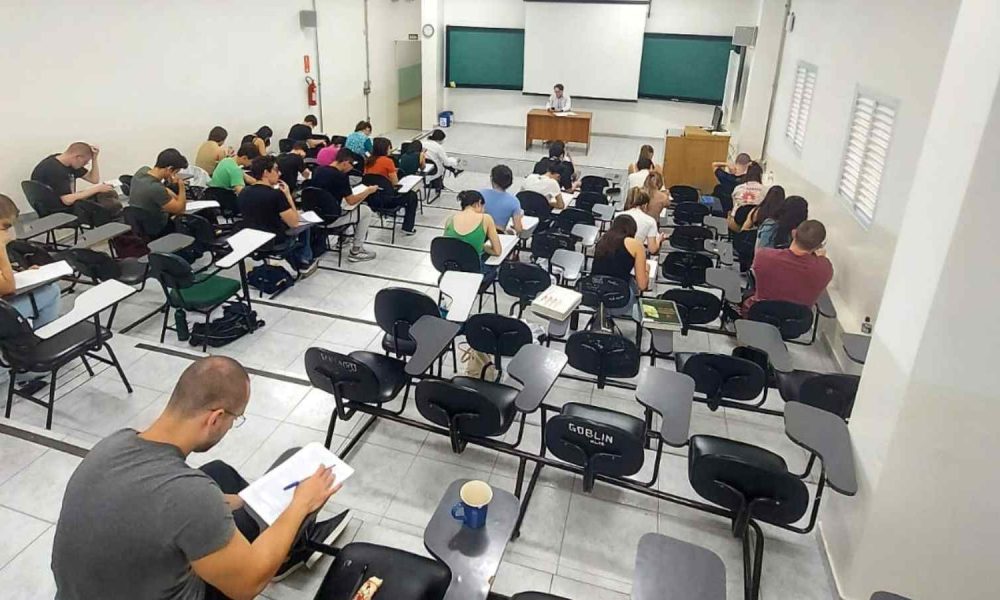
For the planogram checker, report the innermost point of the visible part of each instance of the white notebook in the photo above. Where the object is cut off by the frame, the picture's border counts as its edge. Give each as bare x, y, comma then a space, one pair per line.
556, 303
45, 274
309, 217
268, 497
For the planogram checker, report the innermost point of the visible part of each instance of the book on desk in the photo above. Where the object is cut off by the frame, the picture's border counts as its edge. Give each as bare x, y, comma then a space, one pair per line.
556, 303
660, 314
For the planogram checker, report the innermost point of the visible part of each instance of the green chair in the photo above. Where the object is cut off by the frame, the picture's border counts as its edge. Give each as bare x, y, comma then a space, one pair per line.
186, 291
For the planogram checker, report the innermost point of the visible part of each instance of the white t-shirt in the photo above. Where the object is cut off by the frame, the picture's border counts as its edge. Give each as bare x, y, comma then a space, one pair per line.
638, 179
542, 184
646, 226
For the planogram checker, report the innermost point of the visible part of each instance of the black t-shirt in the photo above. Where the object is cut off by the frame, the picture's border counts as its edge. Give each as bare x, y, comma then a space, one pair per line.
300, 132
333, 181
290, 165
59, 177
261, 207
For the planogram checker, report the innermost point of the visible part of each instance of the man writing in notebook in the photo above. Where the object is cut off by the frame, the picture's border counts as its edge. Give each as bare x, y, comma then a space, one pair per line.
138, 522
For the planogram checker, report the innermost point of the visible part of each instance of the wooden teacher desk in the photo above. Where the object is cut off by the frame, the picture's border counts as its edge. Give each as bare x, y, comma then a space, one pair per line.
544, 125
688, 158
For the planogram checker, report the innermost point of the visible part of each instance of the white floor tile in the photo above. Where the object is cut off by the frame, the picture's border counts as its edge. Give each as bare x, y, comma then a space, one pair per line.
38, 489
18, 531
28, 576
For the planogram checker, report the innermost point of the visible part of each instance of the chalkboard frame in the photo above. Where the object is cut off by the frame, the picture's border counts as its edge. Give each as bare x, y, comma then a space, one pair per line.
675, 98
447, 62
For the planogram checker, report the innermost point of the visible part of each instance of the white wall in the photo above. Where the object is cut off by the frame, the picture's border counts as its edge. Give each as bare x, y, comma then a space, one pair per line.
898, 51
763, 60
140, 76
388, 22
643, 118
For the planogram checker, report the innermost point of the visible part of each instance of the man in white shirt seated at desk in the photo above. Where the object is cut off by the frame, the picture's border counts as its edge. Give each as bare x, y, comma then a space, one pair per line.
545, 181
559, 101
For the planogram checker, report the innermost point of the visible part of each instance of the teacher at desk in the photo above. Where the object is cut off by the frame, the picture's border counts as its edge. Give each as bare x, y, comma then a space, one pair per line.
559, 101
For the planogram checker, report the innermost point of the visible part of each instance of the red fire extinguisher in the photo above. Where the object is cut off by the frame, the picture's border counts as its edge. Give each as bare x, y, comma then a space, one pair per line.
311, 91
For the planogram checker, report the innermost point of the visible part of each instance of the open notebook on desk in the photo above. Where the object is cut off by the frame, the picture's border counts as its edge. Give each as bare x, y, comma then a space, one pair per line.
270, 495
32, 278
407, 183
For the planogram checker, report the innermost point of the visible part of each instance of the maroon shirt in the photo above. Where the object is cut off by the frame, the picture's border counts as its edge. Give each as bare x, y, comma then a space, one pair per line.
782, 275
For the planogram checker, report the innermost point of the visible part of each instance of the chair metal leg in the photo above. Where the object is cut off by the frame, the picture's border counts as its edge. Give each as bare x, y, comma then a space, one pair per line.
118, 367
166, 318
204, 339
330, 428
52, 400
90, 370
496, 307
524, 503
10, 393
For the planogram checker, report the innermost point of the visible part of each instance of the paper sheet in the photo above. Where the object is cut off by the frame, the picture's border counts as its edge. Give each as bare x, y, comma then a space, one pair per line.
310, 217
358, 189
45, 274
267, 496
406, 184
196, 205
565, 114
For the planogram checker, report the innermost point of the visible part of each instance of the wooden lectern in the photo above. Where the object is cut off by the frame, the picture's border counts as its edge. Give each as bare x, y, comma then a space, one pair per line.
688, 158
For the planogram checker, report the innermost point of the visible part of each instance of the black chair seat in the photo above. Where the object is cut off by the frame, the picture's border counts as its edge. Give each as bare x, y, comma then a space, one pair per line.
605, 416
133, 272
834, 392
404, 576
790, 383
710, 445
696, 307
719, 376
536, 596
400, 345
602, 441
502, 396
389, 372
65, 346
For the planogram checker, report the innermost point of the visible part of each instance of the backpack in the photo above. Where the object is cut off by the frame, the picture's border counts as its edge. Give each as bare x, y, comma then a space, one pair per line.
269, 279
236, 321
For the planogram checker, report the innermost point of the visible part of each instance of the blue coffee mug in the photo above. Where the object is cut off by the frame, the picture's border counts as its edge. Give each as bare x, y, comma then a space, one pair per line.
475, 502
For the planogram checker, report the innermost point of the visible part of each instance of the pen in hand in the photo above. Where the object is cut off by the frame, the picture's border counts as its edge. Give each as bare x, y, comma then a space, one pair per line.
295, 484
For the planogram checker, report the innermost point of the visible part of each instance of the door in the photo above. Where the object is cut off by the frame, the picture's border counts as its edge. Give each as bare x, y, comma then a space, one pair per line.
340, 32
408, 75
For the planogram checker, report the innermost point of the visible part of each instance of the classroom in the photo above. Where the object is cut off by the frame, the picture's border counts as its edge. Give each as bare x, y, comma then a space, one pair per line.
499, 300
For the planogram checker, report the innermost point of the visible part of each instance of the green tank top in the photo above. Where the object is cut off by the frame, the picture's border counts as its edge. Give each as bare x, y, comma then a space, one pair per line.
475, 238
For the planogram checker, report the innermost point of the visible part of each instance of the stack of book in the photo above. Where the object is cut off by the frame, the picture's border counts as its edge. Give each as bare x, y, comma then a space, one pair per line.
556, 303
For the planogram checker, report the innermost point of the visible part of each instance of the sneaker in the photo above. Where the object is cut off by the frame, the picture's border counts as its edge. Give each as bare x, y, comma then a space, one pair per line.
411, 232
308, 269
360, 255
326, 533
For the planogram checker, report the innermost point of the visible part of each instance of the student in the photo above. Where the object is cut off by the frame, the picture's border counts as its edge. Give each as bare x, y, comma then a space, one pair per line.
659, 199
379, 163
559, 101
729, 176
268, 209
638, 205
303, 132
751, 189
261, 139
618, 254
474, 227
545, 181
60, 172
559, 156
645, 152
643, 168
436, 153
335, 180
763, 216
792, 213
360, 141
292, 164
500, 204
229, 173
796, 274
138, 522
150, 193
413, 159
212, 150
328, 153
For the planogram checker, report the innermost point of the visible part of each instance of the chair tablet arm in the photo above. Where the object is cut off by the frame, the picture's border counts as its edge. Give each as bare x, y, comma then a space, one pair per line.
727, 281
536, 368
669, 394
432, 335
825, 306
88, 304
827, 436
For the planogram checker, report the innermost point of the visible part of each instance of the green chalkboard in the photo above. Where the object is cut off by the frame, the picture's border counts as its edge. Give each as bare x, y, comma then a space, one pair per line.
483, 57
684, 67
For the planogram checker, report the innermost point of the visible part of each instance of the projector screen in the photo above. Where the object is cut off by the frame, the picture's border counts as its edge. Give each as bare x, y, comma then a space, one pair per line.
593, 49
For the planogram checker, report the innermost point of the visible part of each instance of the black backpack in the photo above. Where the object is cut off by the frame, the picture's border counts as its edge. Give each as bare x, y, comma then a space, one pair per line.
236, 321
269, 279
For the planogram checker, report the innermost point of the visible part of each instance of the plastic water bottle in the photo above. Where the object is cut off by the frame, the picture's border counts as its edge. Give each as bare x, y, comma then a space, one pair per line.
866, 327
181, 323
769, 178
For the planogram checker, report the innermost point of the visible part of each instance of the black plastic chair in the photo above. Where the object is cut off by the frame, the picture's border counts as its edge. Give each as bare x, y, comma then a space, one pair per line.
43, 199
691, 213
602, 441
685, 268
229, 204
498, 336
207, 237
126, 181
690, 238
25, 352
604, 355
452, 254
321, 201
723, 380
544, 245
535, 205
745, 248
285, 145
92, 215
833, 392
404, 576
99, 267
694, 307
523, 281
570, 217
384, 202
396, 310
684, 193
792, 320
603, 293
587, 200
594, 183
469, 408
740, 214
25, 254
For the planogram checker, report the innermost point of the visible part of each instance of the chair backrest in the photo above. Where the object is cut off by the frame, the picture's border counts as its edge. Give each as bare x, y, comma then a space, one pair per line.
686, 268
690, 238
452, 254
691, 213
610, 291
284, 145
497, 335
587, 200
91, 263
593, 183
398, 308
16, 334
603, 441
745, 247
339, 374
228, 202
320, 201
754, 473
42, 199
834, 392
126, 181
534, 204
719, 376
172, 271
603, 354
573, 216
740, 216
695, 307
383, 183
26, 254
447, 404
93, 214
684, 193
545, 243
198, 227
140, 220
523, 280
791, 319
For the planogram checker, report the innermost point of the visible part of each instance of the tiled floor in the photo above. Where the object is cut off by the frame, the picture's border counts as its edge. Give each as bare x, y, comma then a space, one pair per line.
573, 544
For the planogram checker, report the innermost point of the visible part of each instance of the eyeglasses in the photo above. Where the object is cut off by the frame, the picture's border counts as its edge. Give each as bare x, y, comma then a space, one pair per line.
238, 420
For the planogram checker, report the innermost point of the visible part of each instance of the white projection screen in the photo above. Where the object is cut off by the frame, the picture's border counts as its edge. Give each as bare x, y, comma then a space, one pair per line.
594, 49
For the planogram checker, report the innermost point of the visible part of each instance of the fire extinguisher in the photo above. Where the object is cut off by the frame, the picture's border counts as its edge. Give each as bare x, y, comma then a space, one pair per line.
311, 91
